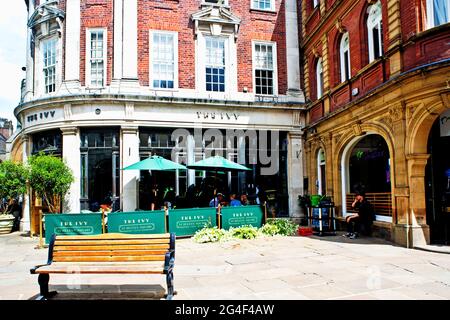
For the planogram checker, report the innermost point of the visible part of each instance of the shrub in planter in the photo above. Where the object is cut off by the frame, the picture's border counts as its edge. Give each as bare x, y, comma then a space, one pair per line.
285, 226
244, 232
13, 183
269, 230
210, 234
50, 178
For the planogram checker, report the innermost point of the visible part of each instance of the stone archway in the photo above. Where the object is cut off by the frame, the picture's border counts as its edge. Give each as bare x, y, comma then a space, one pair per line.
422, 118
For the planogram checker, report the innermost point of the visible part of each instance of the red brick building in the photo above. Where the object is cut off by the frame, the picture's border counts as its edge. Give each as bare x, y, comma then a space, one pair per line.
108, 81
377, 81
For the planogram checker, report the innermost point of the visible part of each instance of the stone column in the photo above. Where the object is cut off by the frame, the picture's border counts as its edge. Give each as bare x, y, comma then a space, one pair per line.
394, 37
190, 154
25, 224
71, 155
419, 233
292, 50
129, 155
295, 172
72, 41
29, 84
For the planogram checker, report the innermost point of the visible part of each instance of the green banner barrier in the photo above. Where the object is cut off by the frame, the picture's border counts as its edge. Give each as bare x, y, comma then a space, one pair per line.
239, 216
72, 224
139, 222
185, 222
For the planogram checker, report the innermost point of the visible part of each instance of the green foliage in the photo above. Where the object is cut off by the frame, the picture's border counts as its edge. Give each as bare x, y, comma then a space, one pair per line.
285, 226
50, 178
210, 234
269, 230
244, 232
13, 183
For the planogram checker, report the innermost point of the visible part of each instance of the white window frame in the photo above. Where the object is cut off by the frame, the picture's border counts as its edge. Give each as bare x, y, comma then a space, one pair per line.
371, 24
274, 63
344, 46
230, 65
272, 6
316, 3
89, 31
430, 13
175, 58
41, 53
319, 80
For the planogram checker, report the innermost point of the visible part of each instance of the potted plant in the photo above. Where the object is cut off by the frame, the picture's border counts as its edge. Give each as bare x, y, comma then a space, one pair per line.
50, 179
13, 183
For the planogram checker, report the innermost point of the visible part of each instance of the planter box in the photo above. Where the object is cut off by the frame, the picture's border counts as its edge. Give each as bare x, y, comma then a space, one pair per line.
6, 223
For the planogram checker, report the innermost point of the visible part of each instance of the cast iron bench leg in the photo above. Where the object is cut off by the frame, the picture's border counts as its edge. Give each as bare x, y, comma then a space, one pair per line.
43, 280
170, 290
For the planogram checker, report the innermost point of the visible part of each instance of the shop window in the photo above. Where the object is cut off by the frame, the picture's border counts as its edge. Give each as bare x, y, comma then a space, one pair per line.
164, 60
375, 31
438, 12
48, 142
344, 50
265, 77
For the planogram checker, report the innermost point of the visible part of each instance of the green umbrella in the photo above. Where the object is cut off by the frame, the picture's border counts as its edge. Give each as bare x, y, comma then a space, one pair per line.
156, 163
217, 163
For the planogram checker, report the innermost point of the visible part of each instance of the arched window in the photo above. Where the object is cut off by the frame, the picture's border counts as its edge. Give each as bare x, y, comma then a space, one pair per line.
319, 78
438, 12
375, 31
345, 57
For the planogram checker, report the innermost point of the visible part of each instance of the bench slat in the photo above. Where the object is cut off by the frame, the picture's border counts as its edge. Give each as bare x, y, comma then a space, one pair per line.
108, 242
59, 248
109, 258
108, 253
70, 268
113, 236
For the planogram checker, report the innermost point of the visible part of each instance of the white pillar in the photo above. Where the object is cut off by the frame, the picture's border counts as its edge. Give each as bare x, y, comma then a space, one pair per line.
295, 172
26, 212
129, 155
130, 40
72, 49
292, 50
71, 155
118, 23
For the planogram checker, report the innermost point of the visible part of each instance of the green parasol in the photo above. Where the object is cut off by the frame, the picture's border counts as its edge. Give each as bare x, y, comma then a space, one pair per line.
156, 163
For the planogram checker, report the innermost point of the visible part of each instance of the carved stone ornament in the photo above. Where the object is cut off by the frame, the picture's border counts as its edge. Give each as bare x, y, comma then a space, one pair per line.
216, 18
45, 12
339, 26
396, 112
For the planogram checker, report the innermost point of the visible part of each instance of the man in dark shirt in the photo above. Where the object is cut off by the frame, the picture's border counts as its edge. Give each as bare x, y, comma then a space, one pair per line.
365, 217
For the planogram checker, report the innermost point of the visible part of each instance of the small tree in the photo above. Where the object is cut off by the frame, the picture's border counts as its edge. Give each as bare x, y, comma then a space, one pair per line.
13, 183
50, 178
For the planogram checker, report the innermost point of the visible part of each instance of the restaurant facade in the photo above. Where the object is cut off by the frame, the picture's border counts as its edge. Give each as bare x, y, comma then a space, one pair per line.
108, 85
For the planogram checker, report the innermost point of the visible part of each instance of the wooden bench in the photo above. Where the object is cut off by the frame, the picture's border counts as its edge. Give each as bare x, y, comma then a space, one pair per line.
108, 254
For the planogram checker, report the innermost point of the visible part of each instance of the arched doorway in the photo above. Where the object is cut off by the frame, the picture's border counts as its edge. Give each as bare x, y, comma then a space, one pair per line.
366, 166
437, 181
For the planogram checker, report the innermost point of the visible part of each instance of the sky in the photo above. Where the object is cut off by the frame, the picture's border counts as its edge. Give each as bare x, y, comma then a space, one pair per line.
13, 34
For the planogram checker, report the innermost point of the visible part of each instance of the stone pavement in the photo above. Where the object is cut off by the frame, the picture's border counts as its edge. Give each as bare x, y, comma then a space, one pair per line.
330, 267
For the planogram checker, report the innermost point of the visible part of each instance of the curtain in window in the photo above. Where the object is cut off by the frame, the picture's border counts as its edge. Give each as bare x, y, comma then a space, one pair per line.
441, 11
